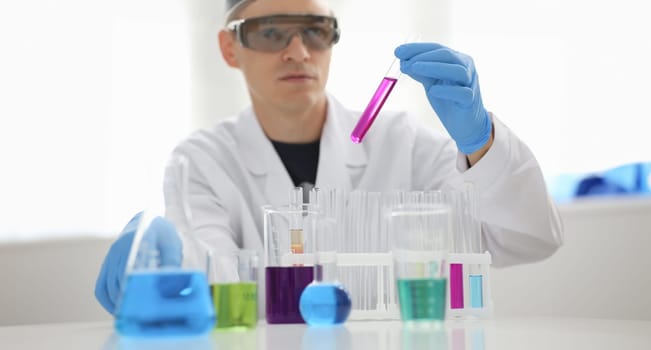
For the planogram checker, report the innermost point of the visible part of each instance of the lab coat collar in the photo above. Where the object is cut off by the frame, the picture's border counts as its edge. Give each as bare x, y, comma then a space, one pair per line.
255, 147
338, 154
261, 159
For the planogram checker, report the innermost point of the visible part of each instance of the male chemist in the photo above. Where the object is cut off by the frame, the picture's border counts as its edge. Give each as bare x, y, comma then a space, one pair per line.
296, 134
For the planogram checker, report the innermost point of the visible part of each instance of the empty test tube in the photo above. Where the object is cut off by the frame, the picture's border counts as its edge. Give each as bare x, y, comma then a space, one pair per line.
473, 224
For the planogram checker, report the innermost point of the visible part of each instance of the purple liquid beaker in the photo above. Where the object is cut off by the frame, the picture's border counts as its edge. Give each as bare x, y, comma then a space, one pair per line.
284, 285
288, 269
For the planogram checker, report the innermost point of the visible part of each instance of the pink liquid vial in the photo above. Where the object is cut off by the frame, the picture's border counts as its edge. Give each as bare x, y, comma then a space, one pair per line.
456, 286
380, 96
376, 103
373, 108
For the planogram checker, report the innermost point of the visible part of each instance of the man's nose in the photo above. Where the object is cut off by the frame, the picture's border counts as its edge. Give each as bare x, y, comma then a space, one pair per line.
296, 50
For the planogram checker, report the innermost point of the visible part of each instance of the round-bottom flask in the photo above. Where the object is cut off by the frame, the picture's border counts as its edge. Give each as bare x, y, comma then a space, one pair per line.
324, 303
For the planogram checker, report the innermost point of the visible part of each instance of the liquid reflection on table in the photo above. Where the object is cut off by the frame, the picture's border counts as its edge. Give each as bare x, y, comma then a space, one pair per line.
353, 335
460, 335
501, 334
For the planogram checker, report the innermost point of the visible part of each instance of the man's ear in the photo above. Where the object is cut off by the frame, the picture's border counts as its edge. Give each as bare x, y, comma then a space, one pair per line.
227, 45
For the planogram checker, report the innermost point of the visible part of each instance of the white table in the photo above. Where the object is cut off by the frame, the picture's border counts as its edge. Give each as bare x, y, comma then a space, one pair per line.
539, 333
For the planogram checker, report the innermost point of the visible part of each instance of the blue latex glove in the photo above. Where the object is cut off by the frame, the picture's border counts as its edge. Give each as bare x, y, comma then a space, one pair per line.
161, 234
452, 88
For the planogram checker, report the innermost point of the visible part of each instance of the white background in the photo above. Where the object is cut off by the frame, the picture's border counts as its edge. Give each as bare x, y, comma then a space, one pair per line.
95, 93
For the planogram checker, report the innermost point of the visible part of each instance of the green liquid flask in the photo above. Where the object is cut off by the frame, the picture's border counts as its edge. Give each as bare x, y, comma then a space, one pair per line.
236, 304
233, 280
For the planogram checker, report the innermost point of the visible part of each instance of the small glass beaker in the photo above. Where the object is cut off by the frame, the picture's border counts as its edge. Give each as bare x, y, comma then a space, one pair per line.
419, 235
233, 278
289, 260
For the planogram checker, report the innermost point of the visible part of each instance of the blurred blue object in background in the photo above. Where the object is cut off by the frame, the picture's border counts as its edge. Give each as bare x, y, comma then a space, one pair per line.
628, 179
598, 185
563, 187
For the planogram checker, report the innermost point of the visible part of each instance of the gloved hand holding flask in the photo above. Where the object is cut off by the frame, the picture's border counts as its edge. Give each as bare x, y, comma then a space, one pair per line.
161, 234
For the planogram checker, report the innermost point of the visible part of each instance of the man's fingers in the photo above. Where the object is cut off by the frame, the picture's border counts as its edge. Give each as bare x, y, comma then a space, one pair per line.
101, 291
454, 73
168, 242
407, 51
458, 94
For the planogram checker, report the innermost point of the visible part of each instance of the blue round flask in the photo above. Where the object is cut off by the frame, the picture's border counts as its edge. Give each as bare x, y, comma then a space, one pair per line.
324, 304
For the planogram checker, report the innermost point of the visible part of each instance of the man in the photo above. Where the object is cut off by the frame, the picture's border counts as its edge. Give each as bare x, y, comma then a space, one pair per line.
295, 133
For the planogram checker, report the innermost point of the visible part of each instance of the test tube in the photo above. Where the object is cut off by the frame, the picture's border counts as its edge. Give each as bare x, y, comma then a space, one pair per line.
473, 239
296, 231
456, 200
377, 101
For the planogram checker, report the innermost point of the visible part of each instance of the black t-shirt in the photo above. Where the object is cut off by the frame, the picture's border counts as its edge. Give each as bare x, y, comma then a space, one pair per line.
301, 161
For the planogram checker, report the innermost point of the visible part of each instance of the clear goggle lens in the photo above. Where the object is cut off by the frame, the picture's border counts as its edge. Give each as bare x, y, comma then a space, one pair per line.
274, 33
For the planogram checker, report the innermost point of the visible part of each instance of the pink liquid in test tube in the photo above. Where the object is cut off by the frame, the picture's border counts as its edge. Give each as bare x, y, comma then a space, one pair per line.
376, 103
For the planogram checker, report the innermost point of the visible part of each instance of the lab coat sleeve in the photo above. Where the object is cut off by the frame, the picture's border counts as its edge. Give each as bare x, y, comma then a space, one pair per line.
520, 222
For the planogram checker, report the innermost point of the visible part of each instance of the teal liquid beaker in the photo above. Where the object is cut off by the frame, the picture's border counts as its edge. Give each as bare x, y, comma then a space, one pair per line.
419, 236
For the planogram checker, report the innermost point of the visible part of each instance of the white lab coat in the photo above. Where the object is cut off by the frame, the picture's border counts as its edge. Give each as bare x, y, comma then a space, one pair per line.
234, 171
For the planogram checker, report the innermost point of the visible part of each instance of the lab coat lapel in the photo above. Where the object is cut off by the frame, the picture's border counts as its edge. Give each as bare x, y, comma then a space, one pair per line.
262, 161
339, 159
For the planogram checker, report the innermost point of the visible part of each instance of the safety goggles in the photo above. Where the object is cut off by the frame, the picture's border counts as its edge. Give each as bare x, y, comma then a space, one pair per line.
274, 33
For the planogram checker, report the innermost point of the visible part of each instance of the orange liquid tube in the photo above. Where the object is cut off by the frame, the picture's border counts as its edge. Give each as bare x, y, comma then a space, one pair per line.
296, 227
296, 241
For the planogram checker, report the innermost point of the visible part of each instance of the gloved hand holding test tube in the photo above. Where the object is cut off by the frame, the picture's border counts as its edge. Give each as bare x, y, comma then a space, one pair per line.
379, 97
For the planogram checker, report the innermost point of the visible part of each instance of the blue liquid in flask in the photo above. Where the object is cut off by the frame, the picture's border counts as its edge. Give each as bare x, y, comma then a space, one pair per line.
165, 303
325, 304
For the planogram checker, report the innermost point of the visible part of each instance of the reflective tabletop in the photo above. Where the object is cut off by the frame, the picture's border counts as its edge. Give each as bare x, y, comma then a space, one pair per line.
535, 333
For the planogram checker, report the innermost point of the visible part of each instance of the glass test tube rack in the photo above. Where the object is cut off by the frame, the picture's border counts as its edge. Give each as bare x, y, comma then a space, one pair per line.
365, 264
370, 276
370, 279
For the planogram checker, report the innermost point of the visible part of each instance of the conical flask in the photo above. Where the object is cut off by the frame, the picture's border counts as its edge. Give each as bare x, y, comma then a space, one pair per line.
165, 294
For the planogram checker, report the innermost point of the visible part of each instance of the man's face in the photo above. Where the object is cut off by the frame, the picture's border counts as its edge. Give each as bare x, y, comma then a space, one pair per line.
293, 77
